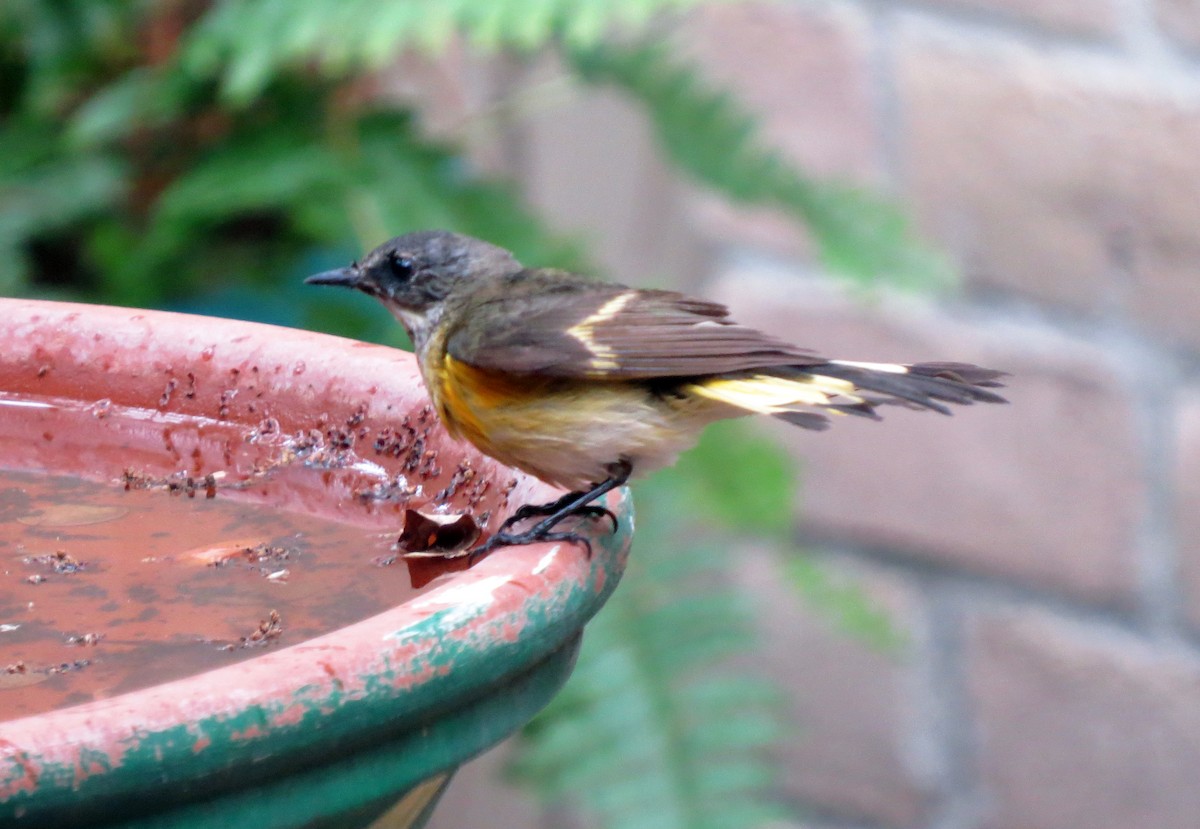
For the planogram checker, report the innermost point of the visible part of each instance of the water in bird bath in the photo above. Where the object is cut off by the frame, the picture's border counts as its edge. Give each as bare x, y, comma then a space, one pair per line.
177, 545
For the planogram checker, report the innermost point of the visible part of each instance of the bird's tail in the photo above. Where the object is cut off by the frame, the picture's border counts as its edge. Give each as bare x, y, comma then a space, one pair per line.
802, 394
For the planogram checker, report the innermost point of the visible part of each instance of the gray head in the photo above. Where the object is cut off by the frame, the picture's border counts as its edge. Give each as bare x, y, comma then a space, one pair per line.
412, 274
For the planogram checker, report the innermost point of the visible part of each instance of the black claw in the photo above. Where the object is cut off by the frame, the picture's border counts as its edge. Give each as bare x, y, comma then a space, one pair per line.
515, 518
571, 504
593, 511
534, 510
572, 537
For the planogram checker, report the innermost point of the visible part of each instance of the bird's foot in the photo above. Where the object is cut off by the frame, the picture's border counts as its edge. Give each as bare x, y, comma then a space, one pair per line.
534, 510
570, 505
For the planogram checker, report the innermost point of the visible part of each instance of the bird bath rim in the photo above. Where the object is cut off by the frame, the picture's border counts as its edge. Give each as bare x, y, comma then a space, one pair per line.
381, 677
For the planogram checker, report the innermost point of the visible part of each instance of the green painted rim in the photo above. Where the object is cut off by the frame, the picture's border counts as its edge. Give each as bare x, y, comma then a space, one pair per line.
387, 702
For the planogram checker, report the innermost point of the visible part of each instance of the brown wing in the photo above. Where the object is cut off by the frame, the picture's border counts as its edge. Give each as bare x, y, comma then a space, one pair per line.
558, 325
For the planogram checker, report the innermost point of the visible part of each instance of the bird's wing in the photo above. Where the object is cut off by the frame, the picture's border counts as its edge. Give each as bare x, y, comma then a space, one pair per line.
558, 328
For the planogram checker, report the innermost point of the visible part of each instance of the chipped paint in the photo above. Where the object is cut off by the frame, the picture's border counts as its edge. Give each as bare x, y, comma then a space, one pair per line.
546, 560
458, 595
22, 775
250, 732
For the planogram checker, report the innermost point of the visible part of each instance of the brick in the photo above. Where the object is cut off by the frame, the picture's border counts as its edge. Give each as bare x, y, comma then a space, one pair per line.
1186, 489
804, 72
451, 91
857, 725
1068, 181
1046, 491
591, 164
1089, 19
1180, 21
1083, 727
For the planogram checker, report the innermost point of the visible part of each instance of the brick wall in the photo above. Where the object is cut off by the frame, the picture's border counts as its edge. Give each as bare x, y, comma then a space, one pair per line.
1043, 558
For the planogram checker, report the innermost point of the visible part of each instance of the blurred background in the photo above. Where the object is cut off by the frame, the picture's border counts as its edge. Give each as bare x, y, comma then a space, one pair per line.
980, 622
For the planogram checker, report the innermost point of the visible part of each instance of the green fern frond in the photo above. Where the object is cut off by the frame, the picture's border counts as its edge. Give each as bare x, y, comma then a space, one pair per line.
381, 179
140, 99
43, 190
653, 730
739, 478
249, 41
708, 134
845, 603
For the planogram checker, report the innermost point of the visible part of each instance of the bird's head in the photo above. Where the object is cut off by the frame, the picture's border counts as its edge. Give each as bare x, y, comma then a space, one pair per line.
412, 275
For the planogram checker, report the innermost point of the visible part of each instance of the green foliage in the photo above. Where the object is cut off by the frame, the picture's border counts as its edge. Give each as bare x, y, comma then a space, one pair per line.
654, 730
737, 477
247, 42
380, 179
157, 194
42, 191
708, 134
844, 603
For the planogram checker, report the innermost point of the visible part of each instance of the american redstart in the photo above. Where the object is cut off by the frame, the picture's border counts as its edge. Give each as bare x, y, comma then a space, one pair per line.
584, 383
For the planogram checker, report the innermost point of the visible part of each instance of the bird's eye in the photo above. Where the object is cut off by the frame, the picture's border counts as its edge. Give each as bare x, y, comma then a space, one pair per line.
402, 266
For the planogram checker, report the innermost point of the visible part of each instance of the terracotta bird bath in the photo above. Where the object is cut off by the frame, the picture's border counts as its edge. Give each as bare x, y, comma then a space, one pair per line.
203, 621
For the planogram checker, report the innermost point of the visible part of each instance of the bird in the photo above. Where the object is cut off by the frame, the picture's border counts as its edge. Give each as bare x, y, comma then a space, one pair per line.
585, 384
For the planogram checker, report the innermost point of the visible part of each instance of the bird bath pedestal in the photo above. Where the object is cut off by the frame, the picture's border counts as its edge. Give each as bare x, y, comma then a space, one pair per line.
279, 728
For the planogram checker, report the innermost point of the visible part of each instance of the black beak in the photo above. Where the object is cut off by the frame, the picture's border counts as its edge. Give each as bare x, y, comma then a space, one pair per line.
346, 277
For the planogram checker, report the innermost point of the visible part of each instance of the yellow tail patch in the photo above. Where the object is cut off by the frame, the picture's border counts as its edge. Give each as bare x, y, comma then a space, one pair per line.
766, 394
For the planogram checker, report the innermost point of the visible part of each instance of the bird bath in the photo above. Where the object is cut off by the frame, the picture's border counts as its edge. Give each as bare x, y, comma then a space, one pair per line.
200, 619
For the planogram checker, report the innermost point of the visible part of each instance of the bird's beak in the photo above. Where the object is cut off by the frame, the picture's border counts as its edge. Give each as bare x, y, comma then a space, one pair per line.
346, 277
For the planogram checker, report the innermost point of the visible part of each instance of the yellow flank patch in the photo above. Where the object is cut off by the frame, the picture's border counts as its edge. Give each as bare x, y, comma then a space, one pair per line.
469, 396
766, 394
603, 356
463, 389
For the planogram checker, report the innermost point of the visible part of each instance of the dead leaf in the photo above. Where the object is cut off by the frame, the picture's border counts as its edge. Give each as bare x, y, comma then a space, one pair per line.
428, 535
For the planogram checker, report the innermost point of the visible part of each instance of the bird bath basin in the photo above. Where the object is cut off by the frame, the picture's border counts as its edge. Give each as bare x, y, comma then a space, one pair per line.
201, 618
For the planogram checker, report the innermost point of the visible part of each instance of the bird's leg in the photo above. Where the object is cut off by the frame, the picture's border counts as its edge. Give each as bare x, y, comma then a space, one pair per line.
573, 503
532, 510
